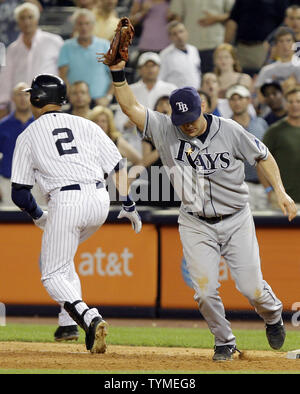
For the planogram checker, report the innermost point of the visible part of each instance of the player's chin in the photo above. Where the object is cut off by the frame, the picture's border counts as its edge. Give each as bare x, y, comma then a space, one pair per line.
191, 133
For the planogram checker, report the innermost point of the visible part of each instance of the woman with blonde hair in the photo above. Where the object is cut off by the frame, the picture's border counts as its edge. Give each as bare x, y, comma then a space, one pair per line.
228, 69
104, 118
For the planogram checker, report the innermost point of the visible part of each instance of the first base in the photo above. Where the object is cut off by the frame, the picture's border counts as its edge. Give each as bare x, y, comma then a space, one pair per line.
293, 355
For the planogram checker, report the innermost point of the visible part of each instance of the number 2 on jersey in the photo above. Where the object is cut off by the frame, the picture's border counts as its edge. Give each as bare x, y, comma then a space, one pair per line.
59, 143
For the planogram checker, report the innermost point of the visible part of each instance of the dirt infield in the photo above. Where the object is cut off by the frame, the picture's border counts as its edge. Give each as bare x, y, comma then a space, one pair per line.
73, 356
20, 355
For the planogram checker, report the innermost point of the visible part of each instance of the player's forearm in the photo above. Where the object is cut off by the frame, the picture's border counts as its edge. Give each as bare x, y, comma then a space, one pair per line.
262, 179
269, 174
22, 197
125, 97
271, 171
121, 181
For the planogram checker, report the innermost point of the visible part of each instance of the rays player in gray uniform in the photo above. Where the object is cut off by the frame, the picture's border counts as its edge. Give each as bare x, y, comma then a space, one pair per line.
206, 155
68, 156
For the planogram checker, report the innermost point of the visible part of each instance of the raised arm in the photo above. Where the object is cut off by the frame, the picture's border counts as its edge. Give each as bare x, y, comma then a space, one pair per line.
125, 97
271, 174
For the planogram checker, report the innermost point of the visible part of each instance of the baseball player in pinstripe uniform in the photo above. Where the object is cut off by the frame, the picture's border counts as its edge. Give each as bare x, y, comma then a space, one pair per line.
207, 154
68, 156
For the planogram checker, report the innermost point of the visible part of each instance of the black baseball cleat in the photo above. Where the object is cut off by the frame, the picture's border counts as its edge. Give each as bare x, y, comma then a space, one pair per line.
224, 353
95, 336
66, 333
276, 334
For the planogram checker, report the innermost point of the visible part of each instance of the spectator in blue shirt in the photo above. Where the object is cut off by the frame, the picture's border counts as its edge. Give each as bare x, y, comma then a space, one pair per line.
78, 60
10, 128
239, 98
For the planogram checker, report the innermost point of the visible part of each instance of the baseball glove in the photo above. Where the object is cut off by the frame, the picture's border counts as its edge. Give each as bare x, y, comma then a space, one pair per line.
119, 45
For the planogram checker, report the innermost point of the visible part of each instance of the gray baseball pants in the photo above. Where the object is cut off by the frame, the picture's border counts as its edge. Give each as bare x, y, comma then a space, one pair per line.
234, 238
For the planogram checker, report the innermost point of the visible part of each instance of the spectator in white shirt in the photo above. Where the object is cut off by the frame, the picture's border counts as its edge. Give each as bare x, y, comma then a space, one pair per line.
34, 52
205, 22
180, 61
147, 91
219, 106
285, 70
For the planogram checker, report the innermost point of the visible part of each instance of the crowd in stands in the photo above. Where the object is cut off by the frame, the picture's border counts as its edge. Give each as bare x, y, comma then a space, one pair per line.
243, 57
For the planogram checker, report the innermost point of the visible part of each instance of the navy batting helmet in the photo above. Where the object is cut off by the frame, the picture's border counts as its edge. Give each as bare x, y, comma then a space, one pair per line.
47, 89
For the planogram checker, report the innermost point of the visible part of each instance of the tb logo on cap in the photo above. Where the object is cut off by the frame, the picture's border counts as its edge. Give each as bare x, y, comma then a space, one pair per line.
182, 106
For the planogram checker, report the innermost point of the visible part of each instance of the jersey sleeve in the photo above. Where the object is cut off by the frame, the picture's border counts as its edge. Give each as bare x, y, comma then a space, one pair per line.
22, 166
156, 127
109, 153
247, 147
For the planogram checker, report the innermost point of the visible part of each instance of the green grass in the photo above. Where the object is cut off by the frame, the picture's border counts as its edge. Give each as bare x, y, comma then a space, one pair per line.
152, 336
148, 336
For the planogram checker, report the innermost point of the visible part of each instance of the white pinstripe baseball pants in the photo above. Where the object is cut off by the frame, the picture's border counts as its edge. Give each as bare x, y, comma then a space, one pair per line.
73, 216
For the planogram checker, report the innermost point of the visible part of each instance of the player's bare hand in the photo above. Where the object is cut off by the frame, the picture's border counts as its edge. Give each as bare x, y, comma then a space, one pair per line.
287, 205
119, 66
129, 212
116, 67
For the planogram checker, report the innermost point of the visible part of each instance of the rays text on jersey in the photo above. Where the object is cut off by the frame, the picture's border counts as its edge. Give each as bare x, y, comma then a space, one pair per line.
207, 162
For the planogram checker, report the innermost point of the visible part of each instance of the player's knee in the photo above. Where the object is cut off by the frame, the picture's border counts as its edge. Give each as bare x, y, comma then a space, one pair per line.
205, 292
253, 293
61, 271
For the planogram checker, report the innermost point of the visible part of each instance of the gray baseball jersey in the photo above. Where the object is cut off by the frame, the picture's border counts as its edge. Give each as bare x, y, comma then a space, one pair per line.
208, 174
210, 171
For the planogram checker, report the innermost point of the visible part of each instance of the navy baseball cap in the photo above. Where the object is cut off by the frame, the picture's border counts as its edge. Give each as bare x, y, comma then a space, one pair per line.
186, 105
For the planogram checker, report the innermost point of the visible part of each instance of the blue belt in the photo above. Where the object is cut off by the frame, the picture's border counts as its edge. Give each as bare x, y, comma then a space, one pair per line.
76, 186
